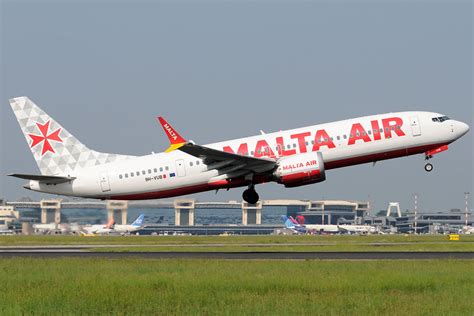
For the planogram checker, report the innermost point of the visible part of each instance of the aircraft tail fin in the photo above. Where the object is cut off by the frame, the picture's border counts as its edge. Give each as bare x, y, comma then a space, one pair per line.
139, 221
300, 219
56, 151
293, 220
287, 221
110, 223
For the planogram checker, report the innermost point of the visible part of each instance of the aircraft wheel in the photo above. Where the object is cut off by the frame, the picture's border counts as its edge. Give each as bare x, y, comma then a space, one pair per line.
250, 196
428, 167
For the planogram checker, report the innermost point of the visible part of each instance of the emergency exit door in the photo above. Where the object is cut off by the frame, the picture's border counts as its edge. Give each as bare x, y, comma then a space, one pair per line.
180, 168
415, 126
104, 182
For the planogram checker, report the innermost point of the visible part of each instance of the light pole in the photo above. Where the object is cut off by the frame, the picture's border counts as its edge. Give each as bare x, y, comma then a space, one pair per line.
416, 212
466, 197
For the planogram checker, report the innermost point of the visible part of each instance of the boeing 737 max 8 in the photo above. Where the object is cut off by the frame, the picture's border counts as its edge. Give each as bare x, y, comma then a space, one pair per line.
293, 157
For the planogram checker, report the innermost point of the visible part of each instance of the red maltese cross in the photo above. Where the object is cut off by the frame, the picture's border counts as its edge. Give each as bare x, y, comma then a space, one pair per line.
45, 138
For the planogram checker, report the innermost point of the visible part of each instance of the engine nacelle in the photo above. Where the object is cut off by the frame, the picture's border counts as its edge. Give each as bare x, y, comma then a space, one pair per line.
301, 169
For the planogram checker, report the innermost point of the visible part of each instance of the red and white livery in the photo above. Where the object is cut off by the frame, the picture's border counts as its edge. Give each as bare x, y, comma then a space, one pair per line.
293, 157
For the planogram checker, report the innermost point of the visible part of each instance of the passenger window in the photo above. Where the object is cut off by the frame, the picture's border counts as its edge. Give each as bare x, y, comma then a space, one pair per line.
138, 173
161, 169
294, 145
149, 171
155, 170
345, 136
197, 162
376, 131
132, 174
307, 143
126, 175
288, 146
338, 137
120, 177
351, 136
252, 152
191, 163
370, 132
143, 172
312, 142
166, 168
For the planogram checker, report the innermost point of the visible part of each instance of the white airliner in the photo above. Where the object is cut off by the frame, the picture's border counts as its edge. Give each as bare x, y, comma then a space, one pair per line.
112, 228
301, 228
133, 227
358, 229
100, 228
293, 157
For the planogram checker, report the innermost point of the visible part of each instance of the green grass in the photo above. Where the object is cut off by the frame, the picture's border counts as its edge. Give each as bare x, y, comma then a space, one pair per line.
249, 243
222, 287
196, 240
444, 247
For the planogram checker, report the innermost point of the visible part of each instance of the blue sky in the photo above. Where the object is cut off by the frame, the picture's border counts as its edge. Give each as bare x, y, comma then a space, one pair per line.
218, 71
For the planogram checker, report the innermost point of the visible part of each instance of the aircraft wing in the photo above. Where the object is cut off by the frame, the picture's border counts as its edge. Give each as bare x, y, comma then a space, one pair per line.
256, 165
42, 178
225, 162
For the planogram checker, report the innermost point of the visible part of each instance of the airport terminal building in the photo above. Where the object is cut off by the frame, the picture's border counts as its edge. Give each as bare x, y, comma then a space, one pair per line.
336, 212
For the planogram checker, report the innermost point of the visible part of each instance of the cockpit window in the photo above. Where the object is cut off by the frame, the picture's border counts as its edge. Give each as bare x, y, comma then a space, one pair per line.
440, 119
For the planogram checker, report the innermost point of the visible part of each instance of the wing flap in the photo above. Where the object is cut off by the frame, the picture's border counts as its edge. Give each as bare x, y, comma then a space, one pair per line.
42, 178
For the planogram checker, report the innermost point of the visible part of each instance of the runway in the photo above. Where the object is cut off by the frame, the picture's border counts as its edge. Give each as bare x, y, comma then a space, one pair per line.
67, 252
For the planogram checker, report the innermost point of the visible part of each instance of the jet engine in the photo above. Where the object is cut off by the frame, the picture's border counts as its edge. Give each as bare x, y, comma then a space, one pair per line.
301, 169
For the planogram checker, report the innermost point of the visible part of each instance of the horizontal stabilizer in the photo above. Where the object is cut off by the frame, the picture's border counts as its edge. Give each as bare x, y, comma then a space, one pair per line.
43, 179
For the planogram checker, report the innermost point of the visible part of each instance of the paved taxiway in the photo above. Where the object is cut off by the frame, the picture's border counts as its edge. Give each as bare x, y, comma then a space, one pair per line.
68, 252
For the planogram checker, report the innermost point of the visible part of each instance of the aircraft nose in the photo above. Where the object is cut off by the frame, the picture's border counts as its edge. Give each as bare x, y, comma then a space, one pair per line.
463, 128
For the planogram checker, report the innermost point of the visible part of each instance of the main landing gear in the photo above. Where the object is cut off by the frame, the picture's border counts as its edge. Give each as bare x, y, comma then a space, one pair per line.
428, 166
250, 195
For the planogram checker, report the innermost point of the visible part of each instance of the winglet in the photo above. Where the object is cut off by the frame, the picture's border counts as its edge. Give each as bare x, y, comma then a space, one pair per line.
175, 139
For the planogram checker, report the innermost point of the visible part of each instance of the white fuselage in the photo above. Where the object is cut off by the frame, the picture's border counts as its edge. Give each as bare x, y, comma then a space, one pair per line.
342, 143
126, 228
323, 228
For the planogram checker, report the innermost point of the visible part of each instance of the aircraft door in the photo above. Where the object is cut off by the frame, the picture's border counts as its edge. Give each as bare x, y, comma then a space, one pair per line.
415, 126
104, 182
180, 168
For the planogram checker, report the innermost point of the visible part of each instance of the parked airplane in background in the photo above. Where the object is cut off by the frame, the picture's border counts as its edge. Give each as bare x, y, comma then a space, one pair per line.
358, 229
112, 228
290, 223
326, 228
301, 228
293, 157
136, 225
5, 230
319, 228
99, 229
468, 230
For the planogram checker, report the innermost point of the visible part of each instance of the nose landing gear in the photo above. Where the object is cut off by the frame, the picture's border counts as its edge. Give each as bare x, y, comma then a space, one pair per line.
428, 166
250, 195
